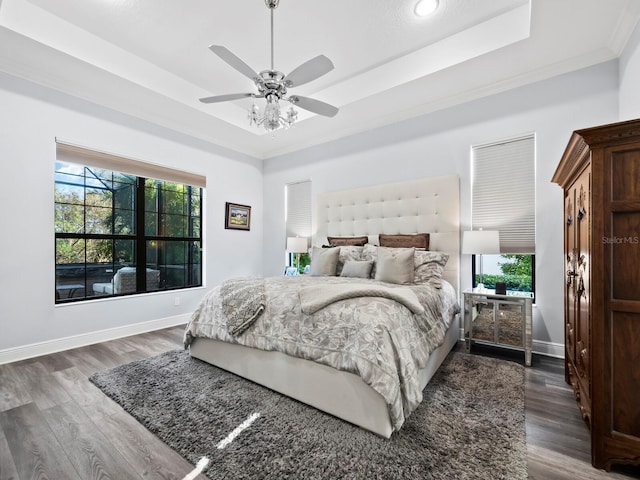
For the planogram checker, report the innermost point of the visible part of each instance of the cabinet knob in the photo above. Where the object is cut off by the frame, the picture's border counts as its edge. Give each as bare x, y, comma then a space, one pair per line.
581, 213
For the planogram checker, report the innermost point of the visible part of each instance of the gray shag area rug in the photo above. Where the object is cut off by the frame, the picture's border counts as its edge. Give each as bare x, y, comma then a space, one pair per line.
470, 425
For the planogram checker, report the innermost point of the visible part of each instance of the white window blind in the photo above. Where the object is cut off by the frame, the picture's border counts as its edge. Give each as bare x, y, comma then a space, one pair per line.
66, 152
503, 192
298, 209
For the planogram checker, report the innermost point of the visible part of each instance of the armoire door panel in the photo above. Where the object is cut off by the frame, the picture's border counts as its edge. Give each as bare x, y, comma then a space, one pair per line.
582, 270
625, 381
625, 172
625, 246
570, 275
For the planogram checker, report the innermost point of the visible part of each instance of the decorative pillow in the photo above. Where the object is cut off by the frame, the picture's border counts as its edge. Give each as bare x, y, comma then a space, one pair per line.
395, 265
357, 268
348, 253
324, 261
429, 267
340, 241
121, 272
418, 240
126, 269
370, 253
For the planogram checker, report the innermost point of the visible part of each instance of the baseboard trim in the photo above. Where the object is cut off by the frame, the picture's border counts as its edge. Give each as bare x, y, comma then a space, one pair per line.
58, 345
549, 349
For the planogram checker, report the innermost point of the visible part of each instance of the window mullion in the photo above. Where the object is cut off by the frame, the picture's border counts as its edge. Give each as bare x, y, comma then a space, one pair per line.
113, 224
141, 244
188, 233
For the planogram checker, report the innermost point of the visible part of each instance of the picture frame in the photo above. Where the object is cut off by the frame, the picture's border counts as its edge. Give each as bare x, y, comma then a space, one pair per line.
237, 217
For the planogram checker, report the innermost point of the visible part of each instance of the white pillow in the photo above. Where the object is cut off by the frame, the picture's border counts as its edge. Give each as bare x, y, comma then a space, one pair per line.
324, 261
395, 265
355, 268
126, 269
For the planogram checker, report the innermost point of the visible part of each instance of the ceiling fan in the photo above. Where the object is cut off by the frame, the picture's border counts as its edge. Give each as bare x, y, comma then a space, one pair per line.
272, 85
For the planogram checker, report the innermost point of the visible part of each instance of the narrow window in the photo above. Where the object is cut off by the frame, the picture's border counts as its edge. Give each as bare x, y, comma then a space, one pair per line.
298, 221
503, 199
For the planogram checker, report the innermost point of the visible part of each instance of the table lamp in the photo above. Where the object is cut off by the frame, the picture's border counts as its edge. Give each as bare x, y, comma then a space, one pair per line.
297, 245
479, 242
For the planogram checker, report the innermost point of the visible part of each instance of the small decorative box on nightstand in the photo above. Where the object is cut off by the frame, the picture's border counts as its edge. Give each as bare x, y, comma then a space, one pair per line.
501, 320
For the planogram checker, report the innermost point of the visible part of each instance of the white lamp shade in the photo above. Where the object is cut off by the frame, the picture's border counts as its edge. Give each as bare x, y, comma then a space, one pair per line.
297, 244
481, 242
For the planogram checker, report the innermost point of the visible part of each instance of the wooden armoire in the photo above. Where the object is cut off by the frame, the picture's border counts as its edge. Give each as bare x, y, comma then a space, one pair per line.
600, 175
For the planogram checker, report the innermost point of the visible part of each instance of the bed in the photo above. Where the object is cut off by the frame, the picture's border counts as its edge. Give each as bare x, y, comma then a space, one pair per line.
427, 205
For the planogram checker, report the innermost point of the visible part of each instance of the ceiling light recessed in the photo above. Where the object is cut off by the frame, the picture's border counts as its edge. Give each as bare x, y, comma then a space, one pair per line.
426, 7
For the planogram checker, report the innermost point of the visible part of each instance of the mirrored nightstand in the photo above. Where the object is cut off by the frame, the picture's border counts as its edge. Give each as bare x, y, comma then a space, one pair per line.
500, 320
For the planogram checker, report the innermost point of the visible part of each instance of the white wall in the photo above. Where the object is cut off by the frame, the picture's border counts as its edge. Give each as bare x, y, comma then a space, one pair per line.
439, 144
630, 78
31, 117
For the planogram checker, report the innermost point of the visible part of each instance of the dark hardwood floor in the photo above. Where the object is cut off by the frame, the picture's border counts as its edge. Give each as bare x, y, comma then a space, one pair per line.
557, 439
54, 424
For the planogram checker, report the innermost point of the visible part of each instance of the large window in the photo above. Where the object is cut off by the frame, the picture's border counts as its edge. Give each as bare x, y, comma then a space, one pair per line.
121, 234
503, 199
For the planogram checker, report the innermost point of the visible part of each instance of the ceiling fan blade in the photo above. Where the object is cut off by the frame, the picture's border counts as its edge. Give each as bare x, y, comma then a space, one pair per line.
226, 55
225, 98
308, 71
315, 106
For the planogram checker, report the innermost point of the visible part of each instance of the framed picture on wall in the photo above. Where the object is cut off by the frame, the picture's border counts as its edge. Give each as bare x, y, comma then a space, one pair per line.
237, 217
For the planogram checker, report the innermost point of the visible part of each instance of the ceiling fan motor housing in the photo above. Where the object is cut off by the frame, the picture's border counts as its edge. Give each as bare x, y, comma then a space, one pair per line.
271, 82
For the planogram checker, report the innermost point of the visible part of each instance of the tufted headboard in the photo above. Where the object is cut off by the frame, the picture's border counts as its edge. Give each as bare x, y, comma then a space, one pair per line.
430, 205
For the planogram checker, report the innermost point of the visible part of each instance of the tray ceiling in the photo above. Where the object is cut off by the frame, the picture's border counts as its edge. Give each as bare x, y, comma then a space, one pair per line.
149, 59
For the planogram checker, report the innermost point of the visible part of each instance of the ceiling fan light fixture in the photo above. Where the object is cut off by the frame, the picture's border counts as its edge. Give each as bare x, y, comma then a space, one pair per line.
272, 119
426, 7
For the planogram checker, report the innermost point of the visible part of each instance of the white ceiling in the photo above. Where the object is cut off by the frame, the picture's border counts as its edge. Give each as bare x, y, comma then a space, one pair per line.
149, 58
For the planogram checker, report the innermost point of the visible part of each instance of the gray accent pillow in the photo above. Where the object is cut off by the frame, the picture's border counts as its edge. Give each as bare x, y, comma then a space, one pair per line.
324, 261
355, 268
395, 265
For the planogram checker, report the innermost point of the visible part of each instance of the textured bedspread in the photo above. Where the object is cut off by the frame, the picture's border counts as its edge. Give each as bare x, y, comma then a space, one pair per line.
376, 338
